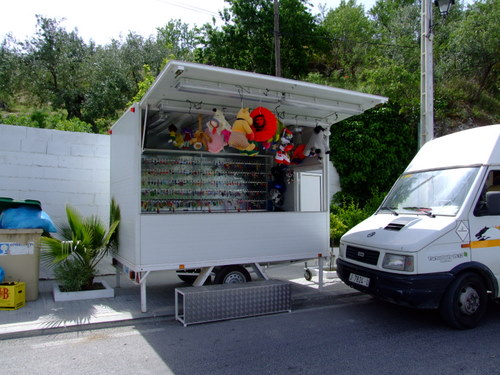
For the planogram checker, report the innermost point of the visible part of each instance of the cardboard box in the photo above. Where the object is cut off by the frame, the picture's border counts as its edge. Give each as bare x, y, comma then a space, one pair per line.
12, 295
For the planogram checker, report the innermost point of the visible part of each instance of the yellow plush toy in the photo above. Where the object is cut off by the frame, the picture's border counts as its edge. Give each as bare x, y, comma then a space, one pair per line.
241, 133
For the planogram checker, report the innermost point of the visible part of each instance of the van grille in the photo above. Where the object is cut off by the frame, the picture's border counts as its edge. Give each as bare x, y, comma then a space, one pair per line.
362, 255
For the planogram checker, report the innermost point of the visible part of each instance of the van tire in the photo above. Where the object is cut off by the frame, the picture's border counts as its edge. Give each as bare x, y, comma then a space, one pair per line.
232, 275
464, 302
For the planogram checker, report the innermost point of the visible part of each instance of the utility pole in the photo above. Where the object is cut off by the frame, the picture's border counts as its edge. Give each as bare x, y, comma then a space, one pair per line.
277, 47
426, 131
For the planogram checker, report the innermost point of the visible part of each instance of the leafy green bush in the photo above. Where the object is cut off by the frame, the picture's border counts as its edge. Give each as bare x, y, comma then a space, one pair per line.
46, 120
348, 213
371, 150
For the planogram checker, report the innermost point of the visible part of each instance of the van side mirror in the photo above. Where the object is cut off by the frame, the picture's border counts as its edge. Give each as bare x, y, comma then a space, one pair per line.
493, 202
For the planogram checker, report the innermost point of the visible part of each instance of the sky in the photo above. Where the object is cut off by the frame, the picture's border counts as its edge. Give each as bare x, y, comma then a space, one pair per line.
104, 20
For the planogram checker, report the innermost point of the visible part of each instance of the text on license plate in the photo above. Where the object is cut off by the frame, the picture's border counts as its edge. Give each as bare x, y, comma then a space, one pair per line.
360, 280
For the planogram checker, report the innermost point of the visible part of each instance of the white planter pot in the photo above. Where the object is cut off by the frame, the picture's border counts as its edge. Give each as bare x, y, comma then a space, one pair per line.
107, 292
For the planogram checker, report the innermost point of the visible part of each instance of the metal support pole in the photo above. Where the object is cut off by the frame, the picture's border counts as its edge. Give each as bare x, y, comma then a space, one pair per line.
203, 276
259, 271
118, 276
426, 131
277, 44
142, 283
320, 271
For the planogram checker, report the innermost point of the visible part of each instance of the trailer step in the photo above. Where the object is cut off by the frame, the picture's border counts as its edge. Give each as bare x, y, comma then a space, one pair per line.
230, 301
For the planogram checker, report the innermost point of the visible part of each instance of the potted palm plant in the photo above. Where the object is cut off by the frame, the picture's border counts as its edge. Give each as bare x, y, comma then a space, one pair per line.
74, 257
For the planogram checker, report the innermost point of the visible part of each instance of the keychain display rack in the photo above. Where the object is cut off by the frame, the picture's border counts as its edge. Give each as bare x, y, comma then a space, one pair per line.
176, 182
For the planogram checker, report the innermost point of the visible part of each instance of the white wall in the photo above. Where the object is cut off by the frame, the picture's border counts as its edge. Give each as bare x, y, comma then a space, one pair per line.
56, 168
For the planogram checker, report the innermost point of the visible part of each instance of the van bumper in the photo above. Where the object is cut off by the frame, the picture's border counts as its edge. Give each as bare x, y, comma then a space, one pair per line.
417, 291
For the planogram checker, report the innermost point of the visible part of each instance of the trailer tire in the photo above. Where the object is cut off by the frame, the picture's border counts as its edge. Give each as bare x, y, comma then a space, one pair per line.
232, 275
464, 302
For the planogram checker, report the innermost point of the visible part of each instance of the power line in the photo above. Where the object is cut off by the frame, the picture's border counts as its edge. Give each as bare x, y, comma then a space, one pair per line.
188, 7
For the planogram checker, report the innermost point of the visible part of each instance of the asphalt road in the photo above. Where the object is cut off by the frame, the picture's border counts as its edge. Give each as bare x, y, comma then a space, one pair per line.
357, 335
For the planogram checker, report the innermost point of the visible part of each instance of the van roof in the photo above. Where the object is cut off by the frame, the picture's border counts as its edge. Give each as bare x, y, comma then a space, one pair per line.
476, 146
184, 86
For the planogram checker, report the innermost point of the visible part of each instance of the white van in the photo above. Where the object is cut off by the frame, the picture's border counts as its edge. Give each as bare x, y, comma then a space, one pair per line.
434, 243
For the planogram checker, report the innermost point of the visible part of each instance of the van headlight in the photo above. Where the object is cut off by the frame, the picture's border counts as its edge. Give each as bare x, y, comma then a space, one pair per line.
398, 262
342, 250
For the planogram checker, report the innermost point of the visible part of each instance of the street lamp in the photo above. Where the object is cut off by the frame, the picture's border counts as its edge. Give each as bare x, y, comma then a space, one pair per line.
444, 6
426, 130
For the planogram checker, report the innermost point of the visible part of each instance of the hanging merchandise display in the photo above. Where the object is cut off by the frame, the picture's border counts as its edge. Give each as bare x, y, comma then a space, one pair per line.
203, 183
219, 130
223, 127
242, 133
264, 125
285, 146
318, 144
201, 139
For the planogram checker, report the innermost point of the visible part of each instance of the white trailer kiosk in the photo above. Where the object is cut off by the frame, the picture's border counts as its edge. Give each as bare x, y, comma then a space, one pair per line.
192, 198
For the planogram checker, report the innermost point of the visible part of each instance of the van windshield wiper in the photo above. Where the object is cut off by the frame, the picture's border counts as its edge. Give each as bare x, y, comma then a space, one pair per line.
390, 209
425, 210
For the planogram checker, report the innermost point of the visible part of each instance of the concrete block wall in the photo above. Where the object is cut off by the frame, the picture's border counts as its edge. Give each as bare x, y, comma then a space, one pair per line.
57, 168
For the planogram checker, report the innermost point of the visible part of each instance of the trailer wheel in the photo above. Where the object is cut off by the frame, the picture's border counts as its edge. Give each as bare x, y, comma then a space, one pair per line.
232, 275
465, 302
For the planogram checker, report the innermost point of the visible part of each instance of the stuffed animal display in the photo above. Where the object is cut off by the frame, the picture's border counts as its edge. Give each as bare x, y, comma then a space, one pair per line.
264, 126
285, 146
223, 127
201, 139
251, 131
241, 133
318, 144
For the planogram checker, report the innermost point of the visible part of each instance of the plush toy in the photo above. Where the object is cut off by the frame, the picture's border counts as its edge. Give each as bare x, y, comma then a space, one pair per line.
222, 126
178, 141
277, 186
201, 139
217, 141
285, 146
241, 133
172, 133
264, 126
275, 141
298, 152
187, 136
318, 143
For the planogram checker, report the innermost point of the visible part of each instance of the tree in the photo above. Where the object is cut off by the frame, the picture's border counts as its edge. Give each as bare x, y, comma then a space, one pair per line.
351, 34
54, 67
246, 40
369, 151
469, 63
108, 87
9, 73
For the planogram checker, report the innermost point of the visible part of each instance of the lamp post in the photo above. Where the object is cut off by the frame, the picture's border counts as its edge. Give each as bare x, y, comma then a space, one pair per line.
426, 130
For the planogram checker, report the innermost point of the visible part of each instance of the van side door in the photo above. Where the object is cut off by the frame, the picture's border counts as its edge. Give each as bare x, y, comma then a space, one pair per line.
485, 225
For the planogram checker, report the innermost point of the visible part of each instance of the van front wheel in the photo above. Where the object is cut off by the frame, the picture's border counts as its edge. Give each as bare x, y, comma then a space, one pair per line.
465, 302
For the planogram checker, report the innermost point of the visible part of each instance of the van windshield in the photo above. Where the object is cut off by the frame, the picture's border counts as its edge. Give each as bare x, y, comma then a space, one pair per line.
440, 192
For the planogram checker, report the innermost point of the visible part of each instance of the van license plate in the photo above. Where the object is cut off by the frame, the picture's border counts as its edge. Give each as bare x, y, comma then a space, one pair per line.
360, 280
